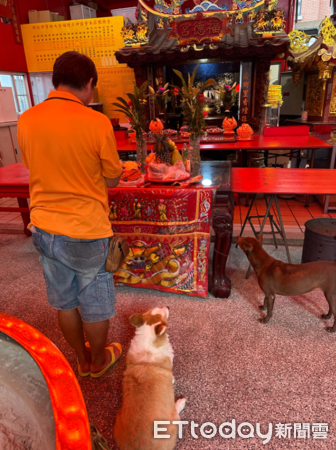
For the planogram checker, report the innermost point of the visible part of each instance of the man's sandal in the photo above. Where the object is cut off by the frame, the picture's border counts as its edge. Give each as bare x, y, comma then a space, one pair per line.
80, 373
113, 360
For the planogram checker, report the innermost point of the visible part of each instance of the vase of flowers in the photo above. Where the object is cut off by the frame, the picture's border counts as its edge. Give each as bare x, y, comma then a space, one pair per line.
160, 96
134, 110
195, 147
227, 95
141, 151
193, 108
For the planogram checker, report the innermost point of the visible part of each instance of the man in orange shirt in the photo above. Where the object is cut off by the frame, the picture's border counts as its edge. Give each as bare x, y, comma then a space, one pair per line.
70, 151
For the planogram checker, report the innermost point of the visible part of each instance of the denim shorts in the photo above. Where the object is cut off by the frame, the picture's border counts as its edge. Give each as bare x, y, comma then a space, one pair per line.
75, 275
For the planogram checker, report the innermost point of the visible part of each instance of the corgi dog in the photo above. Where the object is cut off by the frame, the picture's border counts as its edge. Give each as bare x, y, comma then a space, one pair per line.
148, 393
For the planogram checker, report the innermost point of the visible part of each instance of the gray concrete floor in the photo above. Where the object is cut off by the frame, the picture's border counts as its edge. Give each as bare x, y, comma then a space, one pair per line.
226, 364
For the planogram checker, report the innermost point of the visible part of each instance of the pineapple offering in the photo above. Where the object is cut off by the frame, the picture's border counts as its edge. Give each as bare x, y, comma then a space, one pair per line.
161, 148
165, 163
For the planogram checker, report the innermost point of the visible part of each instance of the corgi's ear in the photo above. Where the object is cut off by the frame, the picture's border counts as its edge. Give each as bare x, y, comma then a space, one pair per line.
137, 320
247, 246
160, 329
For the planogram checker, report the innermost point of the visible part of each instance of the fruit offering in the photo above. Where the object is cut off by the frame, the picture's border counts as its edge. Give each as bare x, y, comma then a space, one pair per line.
150, 158
162, 172
229, 124
214, 130
129, 165
162, 152
170, 132
245, 131
131, 175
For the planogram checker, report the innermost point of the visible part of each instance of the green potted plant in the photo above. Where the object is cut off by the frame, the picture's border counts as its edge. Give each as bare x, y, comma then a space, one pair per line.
134, 110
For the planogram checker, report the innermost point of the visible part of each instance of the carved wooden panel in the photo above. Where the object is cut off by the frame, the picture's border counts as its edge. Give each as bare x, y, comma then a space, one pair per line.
315, 95
332, 108
260, 89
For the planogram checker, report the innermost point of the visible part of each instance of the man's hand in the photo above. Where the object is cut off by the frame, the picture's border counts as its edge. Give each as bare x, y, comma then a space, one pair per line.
112, 182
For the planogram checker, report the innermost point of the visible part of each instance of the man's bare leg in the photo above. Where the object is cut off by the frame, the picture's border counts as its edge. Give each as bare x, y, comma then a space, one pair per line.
72, 328
96, 333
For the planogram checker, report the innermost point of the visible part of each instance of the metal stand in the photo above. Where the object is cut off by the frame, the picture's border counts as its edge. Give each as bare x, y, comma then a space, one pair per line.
326, 207
274, 226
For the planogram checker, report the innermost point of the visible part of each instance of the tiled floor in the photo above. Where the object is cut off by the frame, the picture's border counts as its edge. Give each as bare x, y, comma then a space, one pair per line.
294, 216
7, 218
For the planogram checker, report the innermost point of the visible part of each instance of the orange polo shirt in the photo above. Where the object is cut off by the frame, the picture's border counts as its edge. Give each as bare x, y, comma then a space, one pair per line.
68, 149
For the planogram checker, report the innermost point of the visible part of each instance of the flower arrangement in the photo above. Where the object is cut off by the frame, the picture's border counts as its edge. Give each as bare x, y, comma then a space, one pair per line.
227, 95
193, 101
134, 109
161, 96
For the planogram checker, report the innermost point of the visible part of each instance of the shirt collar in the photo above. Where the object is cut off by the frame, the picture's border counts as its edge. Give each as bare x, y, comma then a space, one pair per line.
65, 95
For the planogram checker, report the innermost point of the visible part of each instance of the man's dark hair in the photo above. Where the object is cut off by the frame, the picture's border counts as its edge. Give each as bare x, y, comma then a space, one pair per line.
74, 70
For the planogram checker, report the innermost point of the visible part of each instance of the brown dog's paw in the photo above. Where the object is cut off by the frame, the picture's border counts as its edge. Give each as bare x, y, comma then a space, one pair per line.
325, 316
330, 330
262, 307
264, 320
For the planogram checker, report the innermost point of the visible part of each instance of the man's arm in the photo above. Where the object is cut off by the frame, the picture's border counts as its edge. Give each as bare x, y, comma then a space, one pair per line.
112, 182
21, 143
109, 160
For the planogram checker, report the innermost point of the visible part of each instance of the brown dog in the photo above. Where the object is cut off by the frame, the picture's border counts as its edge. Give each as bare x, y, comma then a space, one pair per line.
277, 277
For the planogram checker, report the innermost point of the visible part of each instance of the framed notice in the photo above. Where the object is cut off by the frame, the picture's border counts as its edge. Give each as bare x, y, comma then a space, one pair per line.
97, 38
114, 82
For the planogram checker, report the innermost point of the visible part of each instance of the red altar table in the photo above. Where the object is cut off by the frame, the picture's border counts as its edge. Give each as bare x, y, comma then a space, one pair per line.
168, 230
292, 143
177, 221
14, 182
124, 145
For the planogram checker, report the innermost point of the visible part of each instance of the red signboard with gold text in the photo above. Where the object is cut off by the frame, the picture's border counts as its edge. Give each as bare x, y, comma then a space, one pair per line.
210, 27
200, 29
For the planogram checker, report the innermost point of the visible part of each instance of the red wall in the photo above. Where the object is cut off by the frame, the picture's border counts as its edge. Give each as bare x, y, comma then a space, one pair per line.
12, 58
58, 6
